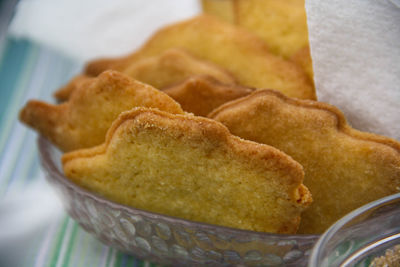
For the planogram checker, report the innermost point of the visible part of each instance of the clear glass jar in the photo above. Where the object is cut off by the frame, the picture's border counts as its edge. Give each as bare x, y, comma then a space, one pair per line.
361, 236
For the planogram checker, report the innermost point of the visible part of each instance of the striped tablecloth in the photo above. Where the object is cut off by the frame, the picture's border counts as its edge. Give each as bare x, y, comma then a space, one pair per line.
30, 71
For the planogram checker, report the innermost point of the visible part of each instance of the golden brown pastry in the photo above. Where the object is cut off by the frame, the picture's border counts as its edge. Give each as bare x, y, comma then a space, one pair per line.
223, 9
64, 93
84, 120
192, 167
281, 24
303, 59
170, 67
344, 168
241, 53
202, 94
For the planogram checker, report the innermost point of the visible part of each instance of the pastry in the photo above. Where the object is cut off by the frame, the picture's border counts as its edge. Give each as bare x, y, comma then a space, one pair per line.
344, 168
170, 67
202, 94
281, 24
84, 119
193, 168
241, 53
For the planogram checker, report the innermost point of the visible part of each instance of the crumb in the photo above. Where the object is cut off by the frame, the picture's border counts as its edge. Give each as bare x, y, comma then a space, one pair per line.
390, 259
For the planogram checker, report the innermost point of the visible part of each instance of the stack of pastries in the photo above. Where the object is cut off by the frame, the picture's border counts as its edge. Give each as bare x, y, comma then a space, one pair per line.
217, 116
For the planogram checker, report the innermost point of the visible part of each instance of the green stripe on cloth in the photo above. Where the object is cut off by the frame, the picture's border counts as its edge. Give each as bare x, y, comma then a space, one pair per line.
62, 253
76, 248
58, 243
47, 242
130, 261
72, 244
82, 256
111, 258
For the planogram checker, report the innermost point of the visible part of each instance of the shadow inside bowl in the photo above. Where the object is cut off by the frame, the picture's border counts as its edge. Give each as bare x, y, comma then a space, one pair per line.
168, 240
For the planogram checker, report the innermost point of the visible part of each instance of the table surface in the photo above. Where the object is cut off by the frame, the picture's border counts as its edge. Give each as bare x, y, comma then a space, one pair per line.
30, 71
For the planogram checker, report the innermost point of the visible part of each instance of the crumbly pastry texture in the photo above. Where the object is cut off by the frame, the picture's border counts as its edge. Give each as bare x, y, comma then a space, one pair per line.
344, 168
281, 24
192, 167
222, 9
172, 66
65, 92
84, 119
241, 53
202, 94
303, 59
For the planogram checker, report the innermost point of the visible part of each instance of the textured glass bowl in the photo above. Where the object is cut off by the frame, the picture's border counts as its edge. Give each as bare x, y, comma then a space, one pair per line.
169, 240
361, 236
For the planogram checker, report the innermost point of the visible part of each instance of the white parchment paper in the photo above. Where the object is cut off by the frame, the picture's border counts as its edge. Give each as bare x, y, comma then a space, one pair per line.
355, 47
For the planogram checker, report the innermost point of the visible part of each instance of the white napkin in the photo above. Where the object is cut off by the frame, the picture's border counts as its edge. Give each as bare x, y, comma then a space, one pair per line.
87, 29
355, 47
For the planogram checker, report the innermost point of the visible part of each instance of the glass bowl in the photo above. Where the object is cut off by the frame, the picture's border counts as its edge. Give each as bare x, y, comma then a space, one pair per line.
168, 240
361, 236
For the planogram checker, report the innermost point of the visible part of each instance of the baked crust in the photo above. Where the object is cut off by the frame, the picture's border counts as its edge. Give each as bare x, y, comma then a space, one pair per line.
168, 68
222, 9
202, 94
173, 66
281, 24
64, 93
194, 164
241, 53
344, 168
303, 59
84, 119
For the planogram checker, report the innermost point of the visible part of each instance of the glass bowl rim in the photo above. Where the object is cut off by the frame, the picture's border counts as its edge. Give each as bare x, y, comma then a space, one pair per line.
327, 235
49, 166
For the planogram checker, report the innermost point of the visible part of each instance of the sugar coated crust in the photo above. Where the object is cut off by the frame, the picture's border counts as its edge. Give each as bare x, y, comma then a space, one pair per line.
303, 59
201, 94
281, 24
172, 66
194, 164
64, 93
240, 52
344, 168
84, 119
